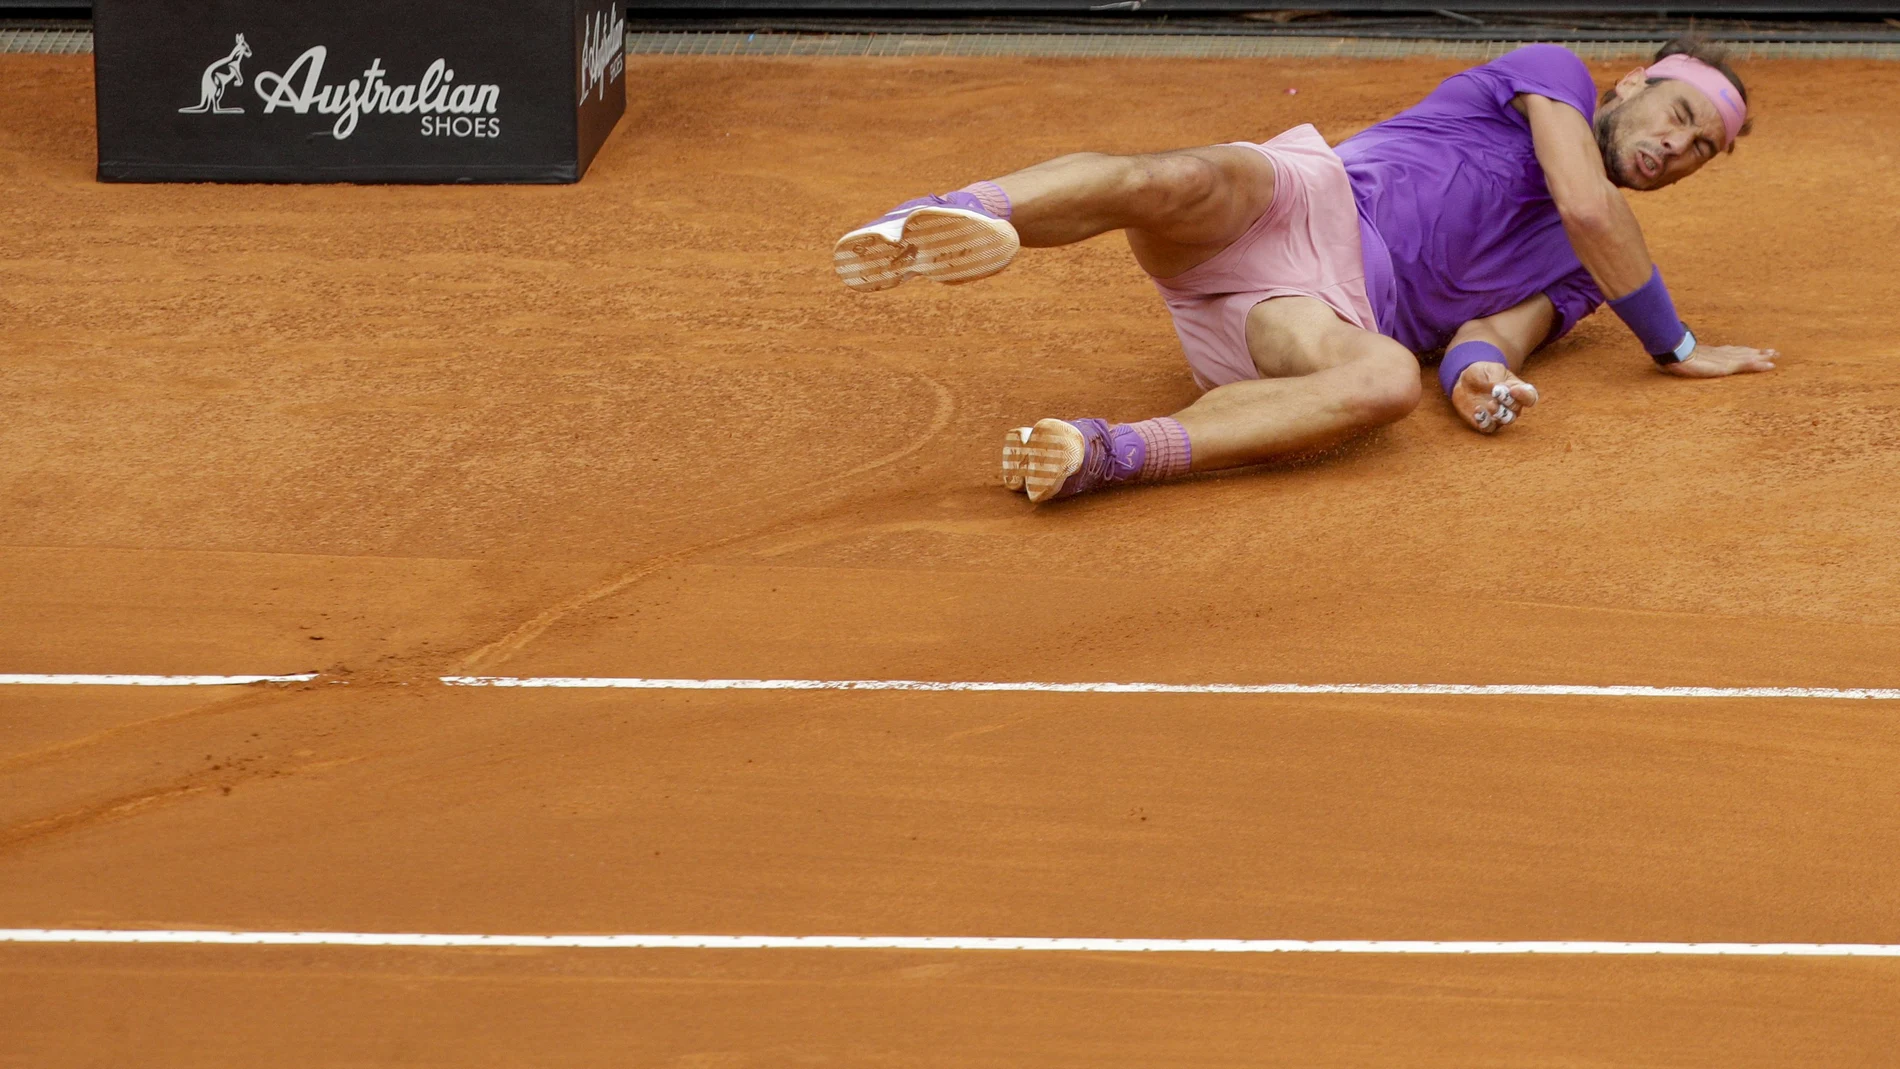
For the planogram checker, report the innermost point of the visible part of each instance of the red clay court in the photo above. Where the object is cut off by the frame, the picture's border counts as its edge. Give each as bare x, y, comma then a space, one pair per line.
635, 429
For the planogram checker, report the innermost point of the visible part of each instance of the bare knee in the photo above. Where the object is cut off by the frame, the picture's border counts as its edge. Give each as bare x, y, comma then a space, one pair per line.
1170, 193
1383, 387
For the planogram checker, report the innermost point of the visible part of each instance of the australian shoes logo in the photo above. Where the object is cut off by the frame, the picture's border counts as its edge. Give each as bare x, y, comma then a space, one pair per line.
447, 108
603, 51
221, 75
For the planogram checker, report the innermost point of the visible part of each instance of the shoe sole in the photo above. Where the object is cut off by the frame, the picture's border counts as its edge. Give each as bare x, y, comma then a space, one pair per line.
948, 245
1038, 460
1015, 456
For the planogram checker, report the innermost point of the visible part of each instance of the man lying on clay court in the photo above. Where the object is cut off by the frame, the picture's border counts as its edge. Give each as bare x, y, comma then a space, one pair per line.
1304, 280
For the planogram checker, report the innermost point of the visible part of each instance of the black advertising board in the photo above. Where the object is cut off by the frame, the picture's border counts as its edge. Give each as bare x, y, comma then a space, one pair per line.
356, 90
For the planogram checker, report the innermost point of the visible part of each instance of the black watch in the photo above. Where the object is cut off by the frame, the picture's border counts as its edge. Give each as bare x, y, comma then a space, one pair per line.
1683, 350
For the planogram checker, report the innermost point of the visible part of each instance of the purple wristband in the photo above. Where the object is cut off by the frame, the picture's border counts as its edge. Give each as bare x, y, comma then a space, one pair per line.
1463, 355
1651, 315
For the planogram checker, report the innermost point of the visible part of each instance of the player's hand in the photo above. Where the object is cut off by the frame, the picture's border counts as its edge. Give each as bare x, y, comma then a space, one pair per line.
1715, 361
1489, 397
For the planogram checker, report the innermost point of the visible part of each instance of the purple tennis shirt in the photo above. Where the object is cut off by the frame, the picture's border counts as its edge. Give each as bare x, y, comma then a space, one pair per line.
1452, 190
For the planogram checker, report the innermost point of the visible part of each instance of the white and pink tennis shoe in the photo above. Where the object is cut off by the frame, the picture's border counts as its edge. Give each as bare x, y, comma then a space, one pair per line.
949, 239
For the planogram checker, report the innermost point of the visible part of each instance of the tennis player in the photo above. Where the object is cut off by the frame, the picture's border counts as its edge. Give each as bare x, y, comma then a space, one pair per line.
1306, 282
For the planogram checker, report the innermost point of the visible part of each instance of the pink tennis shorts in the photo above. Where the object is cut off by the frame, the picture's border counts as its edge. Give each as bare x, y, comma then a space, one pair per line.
1305, 245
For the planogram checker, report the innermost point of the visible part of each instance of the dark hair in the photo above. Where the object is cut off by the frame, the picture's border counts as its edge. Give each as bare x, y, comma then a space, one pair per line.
1708, 52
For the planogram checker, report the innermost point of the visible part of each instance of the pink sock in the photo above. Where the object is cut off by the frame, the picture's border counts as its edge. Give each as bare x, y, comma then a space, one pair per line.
991, 196
1151, 450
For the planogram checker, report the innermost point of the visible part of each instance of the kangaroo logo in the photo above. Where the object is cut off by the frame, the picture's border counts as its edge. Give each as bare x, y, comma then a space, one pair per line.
221, 75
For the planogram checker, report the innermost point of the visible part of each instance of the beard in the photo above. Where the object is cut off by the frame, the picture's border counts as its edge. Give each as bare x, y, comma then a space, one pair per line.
1608, 125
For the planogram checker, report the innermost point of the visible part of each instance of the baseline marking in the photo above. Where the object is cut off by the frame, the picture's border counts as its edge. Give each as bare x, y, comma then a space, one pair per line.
937, 942
1458, 689
28, 680
1473, 690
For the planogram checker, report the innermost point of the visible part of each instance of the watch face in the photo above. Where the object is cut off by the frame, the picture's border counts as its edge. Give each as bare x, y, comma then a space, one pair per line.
1684, 350
1681, 352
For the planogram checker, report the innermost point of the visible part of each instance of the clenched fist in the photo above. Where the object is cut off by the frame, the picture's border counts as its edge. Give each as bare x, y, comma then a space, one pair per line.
1489, 397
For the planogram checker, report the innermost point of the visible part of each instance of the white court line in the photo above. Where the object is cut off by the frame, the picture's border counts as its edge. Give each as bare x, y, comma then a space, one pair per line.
1460, 689
29, 680
1477, 690
940, 942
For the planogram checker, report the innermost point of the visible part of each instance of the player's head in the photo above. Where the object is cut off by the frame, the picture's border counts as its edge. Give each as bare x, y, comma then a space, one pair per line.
1661, 123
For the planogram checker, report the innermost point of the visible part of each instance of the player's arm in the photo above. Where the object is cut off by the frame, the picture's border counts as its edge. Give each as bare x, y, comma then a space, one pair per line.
1602, 229
1606, 237
1479, 372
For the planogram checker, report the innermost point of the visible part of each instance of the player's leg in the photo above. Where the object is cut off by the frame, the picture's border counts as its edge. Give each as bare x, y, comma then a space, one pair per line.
1180, 208
1323, 380
1326, 381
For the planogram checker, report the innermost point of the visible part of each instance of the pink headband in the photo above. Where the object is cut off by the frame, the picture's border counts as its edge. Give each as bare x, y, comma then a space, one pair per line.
1720, 91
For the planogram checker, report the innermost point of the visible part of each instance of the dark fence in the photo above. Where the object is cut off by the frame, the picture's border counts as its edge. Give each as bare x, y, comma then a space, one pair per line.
640, 8
1793, 8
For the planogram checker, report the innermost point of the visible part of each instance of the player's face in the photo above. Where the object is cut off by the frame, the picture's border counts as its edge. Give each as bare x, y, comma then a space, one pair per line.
1655, 135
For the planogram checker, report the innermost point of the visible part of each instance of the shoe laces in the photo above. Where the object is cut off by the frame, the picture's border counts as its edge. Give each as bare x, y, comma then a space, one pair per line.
1097, 461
